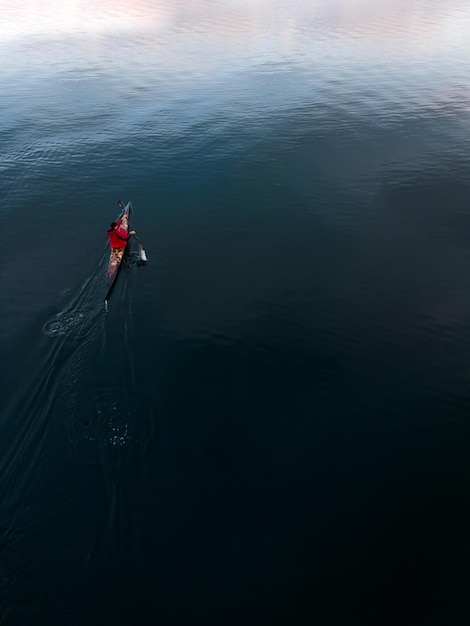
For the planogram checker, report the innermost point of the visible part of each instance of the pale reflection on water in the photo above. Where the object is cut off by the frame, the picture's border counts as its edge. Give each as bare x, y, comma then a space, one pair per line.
399, 56
425, 27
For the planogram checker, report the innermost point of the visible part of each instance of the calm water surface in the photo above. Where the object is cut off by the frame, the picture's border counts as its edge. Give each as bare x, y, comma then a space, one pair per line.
271, 423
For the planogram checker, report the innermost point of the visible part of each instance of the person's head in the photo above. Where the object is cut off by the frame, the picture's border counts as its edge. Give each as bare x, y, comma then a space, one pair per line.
113, 224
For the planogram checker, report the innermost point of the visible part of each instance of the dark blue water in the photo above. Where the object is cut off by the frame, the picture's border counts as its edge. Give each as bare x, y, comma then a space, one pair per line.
270, 425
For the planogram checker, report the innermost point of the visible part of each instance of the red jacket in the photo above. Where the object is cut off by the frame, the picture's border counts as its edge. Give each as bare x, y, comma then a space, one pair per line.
118, 236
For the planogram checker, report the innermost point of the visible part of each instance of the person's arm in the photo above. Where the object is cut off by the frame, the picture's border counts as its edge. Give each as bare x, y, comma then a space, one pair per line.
125, 236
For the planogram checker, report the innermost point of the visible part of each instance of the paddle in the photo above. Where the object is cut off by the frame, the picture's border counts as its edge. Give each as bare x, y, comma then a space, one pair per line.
143, 256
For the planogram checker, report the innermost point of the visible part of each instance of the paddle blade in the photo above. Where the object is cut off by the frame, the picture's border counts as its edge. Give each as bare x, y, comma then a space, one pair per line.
143, 256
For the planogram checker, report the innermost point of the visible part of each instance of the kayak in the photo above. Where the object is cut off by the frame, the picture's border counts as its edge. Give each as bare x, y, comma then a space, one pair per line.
116, 255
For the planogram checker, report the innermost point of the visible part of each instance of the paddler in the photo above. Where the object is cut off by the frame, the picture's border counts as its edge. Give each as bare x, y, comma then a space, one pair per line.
118, 236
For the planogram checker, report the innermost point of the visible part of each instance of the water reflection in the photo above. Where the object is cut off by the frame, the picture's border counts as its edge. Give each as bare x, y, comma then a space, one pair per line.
51, 18
418, 25
401, 55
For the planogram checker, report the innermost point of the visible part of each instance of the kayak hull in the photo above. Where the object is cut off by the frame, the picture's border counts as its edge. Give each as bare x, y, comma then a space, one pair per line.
116, 256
